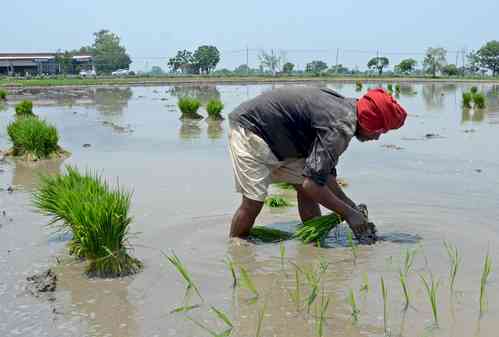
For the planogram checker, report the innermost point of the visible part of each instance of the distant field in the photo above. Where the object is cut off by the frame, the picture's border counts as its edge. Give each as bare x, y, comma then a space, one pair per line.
139, 80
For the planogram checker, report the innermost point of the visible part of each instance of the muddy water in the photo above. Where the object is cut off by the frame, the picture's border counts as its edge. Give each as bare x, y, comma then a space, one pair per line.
442, 187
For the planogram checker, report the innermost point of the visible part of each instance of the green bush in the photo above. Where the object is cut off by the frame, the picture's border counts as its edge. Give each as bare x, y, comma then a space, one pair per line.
214, 109
467, 96
474, 90
33, 137
189, 107
96, 215
3, 95
24, 108
479, 100
358, 85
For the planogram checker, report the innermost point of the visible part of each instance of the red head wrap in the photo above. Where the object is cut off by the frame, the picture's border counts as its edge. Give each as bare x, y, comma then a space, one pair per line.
378, 112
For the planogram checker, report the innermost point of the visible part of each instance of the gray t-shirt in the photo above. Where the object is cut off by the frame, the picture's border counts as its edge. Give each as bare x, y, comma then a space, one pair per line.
302, 122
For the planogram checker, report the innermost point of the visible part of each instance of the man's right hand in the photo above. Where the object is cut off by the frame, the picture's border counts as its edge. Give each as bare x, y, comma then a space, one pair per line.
357, 222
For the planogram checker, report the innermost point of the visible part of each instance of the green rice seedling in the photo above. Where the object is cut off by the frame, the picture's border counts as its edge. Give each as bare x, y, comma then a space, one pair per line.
247, 282
313, 279
431, 287
282, 252
467, 98
185, 308
405, 289
230, 264
384, 294
284, 186
181, 268
322, 314
409, 261
479, 100
352, 245
214, 109
358, 85
365, 282
3, 95
323, 265
259, 324
189, 107
389, 87
33, 138
269, 235
473, 90
96, 215
353, 305
277, 201
222, 316
317, 229
397, 88
213, 333
296, 294
487, 268
24, 108
455, 261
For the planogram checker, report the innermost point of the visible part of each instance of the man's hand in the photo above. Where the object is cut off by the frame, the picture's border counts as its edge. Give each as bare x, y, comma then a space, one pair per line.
357, 222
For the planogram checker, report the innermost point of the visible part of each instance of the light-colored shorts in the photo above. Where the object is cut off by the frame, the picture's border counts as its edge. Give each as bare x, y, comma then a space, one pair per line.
256, 167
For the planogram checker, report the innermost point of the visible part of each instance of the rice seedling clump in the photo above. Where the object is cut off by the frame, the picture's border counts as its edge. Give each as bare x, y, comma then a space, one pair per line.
317, 229
33, 138
96, 215
214, 109
3, 95
277, 201
467, 99
358, 85
189, 107
25, 108
268, 235
479, 100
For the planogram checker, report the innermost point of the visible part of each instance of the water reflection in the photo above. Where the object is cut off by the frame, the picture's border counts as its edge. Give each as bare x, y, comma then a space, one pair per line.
27, 174
204, 93
189, 129
473, 115
215, 129
434, 94
111, 100
3, 106
407, 89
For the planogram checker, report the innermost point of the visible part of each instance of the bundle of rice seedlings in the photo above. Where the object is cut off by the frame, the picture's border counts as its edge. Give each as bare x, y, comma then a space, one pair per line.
25, 108
397, 88
276, 201
3, 95
284, 186
474, 90
214, 109
479, 100
268, 235
33, 138
389, 87
189, 107
467, 99
358, 85
317, 229
96, 215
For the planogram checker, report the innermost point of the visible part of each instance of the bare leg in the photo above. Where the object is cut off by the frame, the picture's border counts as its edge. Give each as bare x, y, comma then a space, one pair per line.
308, 208
244, 218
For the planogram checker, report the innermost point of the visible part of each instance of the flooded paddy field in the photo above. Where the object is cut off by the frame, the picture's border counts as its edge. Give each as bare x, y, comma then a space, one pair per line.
434, 180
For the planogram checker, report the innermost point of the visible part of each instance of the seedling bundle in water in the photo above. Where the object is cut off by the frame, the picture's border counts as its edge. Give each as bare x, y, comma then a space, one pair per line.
277, 201
317, 229
96, 215
189, 107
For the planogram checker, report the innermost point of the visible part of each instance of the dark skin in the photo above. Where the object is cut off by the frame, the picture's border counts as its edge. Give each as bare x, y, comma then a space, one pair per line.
309, 195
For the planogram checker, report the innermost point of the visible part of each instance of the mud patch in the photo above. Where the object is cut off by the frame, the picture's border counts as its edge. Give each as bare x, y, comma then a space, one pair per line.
42, 284
118, 128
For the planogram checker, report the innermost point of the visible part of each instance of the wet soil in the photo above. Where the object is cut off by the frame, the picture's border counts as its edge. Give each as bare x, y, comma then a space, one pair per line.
183, 201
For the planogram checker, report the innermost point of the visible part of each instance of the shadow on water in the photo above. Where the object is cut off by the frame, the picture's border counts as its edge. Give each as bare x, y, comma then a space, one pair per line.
472, 115
189, 129
111, 100
204, 93
26, 174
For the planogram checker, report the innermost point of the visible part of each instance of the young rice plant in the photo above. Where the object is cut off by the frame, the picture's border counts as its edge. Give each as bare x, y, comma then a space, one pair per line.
454, 260
276, 201
182, 270
431, 287
487, 268
3, 95
189, 107
24, 108
214, 109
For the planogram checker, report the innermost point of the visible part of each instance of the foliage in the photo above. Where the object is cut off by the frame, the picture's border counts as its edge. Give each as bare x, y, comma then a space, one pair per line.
317, 229
358, 85
338, 69
406, 66
474, 90
205, 59
435, 60
431, 287
378, 63
33, 137
353, 305
288, 67
316, 67
455, 261
214, 109
24, 108
243, 69
488, 56
271, 61
269, 235
183, 61
247, 282
276, 201
3, 95
479, 100
473, 62
182, 270
384, 295
467, 98
450, 70
487, 268
109, 54
189, 107
65, 61
96, 215
156, 70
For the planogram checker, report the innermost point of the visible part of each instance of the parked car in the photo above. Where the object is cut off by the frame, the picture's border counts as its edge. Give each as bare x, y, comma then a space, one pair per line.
122, 72
88, 73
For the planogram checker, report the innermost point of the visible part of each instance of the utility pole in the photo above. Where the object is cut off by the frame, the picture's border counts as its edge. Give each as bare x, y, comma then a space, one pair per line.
337, 57
247, 61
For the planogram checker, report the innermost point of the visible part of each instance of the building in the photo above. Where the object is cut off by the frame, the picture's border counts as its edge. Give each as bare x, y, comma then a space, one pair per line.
25, 64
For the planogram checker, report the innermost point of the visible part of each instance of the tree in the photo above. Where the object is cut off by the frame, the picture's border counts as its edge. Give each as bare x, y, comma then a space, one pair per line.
378, 63
406, 66
65, 61
338, 69
243, 69
108, 54
206, 58
156, 70
489, 56
271, 61
183, 61
288, 67
316, 67
450, 70
435, 60
473, 65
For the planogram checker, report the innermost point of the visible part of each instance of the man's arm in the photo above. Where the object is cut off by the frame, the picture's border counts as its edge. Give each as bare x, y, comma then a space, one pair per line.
333, 185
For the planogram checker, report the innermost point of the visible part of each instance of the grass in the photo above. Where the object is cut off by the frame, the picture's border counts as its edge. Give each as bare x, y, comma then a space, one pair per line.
268, 235
365, 282
467, 98
97, 216
24, 108
189, 107
282, 253
214, 109
296, 294
247, 282
431, 287
3, 95
384, 294
230, 264
182, 270
487, 268
317, 229
408, 261
479, 100
322, 314
353, 246
221, 316
353, 305
277, 201
33, 138
455, 261
259, 323
405, 289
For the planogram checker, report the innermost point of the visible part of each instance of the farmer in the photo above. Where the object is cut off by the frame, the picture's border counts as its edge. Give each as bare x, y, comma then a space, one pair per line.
296, 135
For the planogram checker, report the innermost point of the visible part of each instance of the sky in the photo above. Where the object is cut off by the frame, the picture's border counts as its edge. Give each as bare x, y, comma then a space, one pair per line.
153, 30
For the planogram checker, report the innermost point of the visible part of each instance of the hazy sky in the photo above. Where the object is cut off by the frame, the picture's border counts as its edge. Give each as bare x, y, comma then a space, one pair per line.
152, 30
